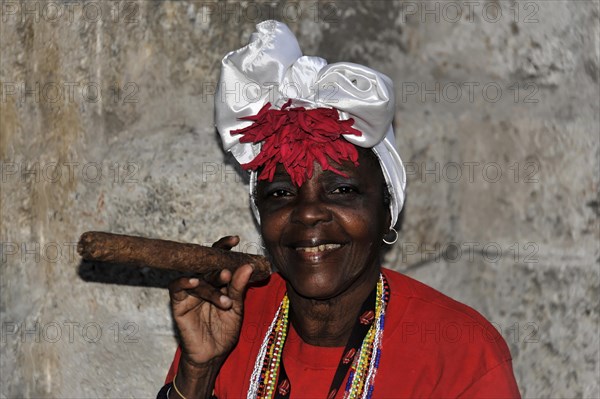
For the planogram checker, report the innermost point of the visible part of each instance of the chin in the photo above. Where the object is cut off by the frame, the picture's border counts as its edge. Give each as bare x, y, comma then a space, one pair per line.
318, 286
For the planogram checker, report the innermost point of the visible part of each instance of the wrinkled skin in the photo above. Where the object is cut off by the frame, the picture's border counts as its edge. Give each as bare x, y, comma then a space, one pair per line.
346, 214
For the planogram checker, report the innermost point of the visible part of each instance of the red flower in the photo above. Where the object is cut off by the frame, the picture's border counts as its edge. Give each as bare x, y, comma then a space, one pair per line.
296, 138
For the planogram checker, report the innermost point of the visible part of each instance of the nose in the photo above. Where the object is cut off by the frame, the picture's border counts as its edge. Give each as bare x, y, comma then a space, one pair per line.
309, 209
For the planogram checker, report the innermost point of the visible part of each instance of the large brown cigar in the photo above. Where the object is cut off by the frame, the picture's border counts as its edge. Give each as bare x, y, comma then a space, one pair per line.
167, 255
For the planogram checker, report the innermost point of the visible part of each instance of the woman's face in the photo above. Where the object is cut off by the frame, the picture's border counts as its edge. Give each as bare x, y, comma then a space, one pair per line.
325, 237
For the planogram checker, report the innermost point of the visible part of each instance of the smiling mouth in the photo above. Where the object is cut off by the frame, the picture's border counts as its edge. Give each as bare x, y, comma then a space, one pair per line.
318, 248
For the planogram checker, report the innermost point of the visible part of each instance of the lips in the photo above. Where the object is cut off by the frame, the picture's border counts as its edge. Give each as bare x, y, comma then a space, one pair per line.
319, 248
315, 250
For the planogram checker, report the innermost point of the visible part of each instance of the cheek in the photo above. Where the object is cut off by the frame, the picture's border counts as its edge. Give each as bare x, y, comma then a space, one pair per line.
363, 223
271, 227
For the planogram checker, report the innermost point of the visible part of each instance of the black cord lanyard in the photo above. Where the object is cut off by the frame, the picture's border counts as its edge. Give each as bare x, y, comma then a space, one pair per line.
359, 331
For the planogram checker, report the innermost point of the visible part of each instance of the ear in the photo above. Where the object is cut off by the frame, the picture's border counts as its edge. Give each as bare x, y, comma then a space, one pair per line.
388, 220
386, 204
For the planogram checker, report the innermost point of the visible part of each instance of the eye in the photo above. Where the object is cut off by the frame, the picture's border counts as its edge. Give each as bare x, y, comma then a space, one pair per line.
345, 190
279, 193
276, 190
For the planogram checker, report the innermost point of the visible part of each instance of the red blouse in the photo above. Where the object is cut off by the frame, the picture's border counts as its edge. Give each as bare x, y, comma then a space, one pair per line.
433, 347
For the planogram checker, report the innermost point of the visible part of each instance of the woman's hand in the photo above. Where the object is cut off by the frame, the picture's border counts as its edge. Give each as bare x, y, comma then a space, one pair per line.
208, 313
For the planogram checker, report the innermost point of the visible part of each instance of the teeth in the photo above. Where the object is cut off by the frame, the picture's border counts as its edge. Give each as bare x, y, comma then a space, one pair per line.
319, 248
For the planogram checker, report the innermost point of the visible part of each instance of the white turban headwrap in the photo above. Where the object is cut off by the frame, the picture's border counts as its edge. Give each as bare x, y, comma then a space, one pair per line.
271, 68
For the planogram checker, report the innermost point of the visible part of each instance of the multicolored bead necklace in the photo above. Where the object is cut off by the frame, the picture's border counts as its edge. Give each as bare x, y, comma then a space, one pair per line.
266, 381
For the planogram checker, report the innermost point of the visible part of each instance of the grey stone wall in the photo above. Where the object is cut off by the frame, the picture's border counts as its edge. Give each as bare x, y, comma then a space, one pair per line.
106, 124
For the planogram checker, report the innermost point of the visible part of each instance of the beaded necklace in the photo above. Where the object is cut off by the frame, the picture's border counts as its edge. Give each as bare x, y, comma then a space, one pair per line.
361, 380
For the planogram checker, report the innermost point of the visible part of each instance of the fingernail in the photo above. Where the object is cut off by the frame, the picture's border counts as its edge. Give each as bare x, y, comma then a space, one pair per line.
194, 281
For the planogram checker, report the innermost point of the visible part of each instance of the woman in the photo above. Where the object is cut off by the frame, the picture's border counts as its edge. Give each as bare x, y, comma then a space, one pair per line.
327, 186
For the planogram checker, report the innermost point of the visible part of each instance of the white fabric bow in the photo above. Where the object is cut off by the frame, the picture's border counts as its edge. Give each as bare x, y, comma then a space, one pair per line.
271, 68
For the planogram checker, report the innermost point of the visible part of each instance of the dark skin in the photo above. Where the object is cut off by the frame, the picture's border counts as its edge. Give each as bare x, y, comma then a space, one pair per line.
325, 239
326, 288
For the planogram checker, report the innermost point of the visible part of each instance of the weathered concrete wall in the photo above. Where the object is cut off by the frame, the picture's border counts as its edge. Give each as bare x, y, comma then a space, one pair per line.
106, 124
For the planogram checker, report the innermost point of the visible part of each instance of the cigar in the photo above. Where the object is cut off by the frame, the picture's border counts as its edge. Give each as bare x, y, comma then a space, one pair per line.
97, 246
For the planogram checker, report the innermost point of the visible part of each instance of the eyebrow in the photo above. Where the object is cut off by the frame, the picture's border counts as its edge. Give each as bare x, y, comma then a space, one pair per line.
281, 176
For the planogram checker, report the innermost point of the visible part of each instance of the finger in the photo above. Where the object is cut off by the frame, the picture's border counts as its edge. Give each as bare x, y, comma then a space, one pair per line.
184, 288
218, 278
209, 293
178, 288
239, 283
227, 242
